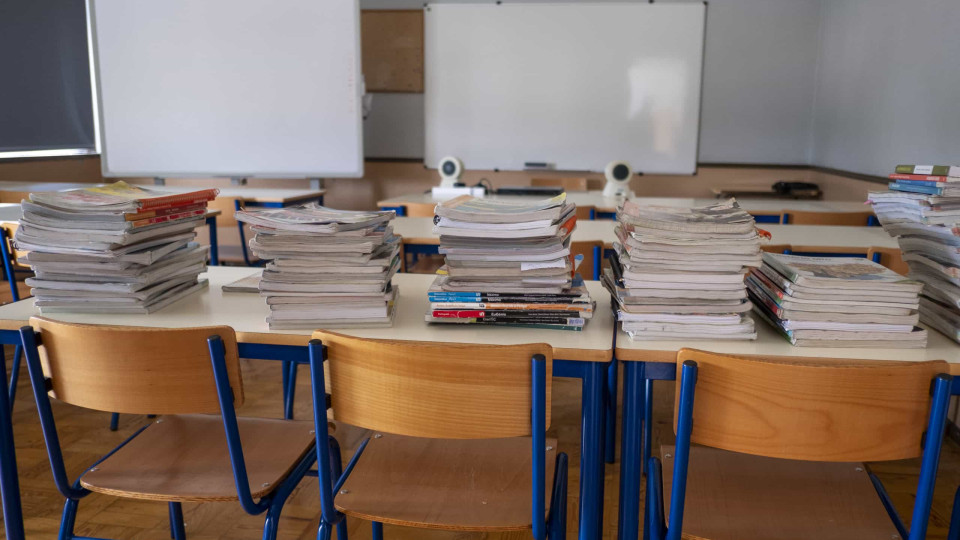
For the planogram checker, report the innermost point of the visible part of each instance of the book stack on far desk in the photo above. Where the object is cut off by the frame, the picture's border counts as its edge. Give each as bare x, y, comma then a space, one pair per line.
922, 210
837, 302
328, 268
679, 272
113, 248
508, 264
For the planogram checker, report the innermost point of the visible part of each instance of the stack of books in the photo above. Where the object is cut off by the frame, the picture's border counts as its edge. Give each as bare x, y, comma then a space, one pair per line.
113, 248
328, 268
922, 209
679, 272
837, 302
507, 263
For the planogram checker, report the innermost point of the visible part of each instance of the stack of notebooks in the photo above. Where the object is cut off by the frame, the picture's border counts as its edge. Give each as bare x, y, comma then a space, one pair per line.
328, 268
922, 209
837, 302
679, 272
113, 248
508, 264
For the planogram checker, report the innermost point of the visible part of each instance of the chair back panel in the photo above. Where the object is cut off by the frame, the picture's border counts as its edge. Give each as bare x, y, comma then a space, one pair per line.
583, 212
852, 219
135, 370
811, 409
568, 184
892, 258
434, 390
775, 248
420, 209
227, 207
585, 248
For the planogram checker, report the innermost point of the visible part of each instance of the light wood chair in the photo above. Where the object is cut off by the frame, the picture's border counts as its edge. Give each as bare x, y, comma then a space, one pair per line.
780, 445
851, 219
200, 452
892, 258
460, 436
568, 184
586, 212
776, 248
592, 252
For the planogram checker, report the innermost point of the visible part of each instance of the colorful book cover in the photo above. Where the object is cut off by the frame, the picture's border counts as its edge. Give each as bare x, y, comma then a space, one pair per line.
939, 170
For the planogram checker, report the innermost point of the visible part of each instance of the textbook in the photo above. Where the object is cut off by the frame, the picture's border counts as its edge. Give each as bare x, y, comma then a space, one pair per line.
507, 262
938, 170
838, 272
120, 197
327, 268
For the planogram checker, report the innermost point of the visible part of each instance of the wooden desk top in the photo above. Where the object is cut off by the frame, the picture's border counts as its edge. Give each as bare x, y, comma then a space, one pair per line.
800, 237
248, 194
771, 344
246, 313
606, 204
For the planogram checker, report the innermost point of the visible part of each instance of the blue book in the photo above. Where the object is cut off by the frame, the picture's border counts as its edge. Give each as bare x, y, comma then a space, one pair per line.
911, 188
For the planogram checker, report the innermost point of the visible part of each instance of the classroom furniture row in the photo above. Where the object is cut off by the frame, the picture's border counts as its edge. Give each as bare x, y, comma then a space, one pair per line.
795, 211
591, 356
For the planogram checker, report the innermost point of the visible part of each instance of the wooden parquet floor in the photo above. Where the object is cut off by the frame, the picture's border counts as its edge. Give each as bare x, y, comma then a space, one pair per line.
85, 437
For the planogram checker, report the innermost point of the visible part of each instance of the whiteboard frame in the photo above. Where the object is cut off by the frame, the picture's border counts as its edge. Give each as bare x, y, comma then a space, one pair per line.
101, 137
639, 171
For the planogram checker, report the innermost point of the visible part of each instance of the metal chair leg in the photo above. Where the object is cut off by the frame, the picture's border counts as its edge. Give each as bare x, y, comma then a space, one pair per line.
114, 421
15, 373
324, 532
291, 392
177, 527
954, 533
336, 469
68, 519
377, 530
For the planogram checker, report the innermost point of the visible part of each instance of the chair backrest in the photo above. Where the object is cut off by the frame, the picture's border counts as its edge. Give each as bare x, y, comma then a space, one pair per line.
568, 184
585, 212
775, 248
135, 370
227, 207
811, 409
892, 258
854, 219
434, 390
420, 209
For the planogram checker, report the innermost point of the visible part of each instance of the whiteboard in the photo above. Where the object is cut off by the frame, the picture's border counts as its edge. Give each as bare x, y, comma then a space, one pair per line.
228, 87
572, 85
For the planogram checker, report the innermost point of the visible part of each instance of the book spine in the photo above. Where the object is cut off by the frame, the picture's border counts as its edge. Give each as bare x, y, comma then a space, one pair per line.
491, 314
180, 199
507, 306
545, 325
916, 188
163, 212
939, 170
922, 178
166, 218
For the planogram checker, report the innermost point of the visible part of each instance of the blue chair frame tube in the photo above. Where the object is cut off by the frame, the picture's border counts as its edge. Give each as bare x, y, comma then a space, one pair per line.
954, 533
630, 444
681, 458
7, 255
9, 479
214, 245
932, 446
538, 428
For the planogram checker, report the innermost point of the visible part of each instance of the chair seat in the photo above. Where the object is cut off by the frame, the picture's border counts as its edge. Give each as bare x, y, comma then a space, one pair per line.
475, 485
185, 458
733, 496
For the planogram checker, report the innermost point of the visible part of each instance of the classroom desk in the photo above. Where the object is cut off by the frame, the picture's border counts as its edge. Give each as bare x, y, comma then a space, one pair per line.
585, 355
260, 196
608, 205
646, 361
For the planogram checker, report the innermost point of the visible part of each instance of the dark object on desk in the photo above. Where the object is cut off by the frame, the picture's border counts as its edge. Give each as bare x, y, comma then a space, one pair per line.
542, 191
798, 190
779, 190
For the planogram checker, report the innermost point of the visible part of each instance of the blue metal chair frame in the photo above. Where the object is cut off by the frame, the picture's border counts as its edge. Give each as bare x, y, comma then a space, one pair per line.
554, 527
657, 528
876, 256
272, 504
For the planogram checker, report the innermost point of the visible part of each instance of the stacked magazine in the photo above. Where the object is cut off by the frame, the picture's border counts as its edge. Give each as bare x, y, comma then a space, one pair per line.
837, 302
922, 209
507, 263
328, 268
113, 248
679, 272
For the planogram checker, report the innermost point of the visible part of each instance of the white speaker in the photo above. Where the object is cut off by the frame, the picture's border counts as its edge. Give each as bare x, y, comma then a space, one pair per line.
450, 169
618, 175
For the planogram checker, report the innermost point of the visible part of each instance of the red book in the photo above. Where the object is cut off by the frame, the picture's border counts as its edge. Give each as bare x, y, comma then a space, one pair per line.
923, 177
458, 314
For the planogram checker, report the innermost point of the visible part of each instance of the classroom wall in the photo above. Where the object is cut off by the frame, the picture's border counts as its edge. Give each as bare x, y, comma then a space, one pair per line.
758, 86
887, 84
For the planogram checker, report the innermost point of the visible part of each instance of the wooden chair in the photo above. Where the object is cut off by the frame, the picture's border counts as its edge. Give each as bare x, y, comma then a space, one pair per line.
892, 258
586, 212
853, 219
780, 446
775, 248
460, 438
568, 184
420, 209
200, 452
592, 252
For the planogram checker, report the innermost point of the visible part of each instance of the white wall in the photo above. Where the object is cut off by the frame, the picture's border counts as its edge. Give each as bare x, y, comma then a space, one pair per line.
758, 86
888, 84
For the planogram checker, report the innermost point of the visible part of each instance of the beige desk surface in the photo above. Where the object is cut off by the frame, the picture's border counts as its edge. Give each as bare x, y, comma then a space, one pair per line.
606, 204
420, 231
245, 313
9, 212
249, 194
771, 344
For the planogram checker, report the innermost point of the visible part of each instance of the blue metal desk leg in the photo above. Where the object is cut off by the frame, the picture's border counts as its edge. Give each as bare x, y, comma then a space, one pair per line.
8, 264
9, 483
214, 246
610, 412
631, 460
647, 419
591, 457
